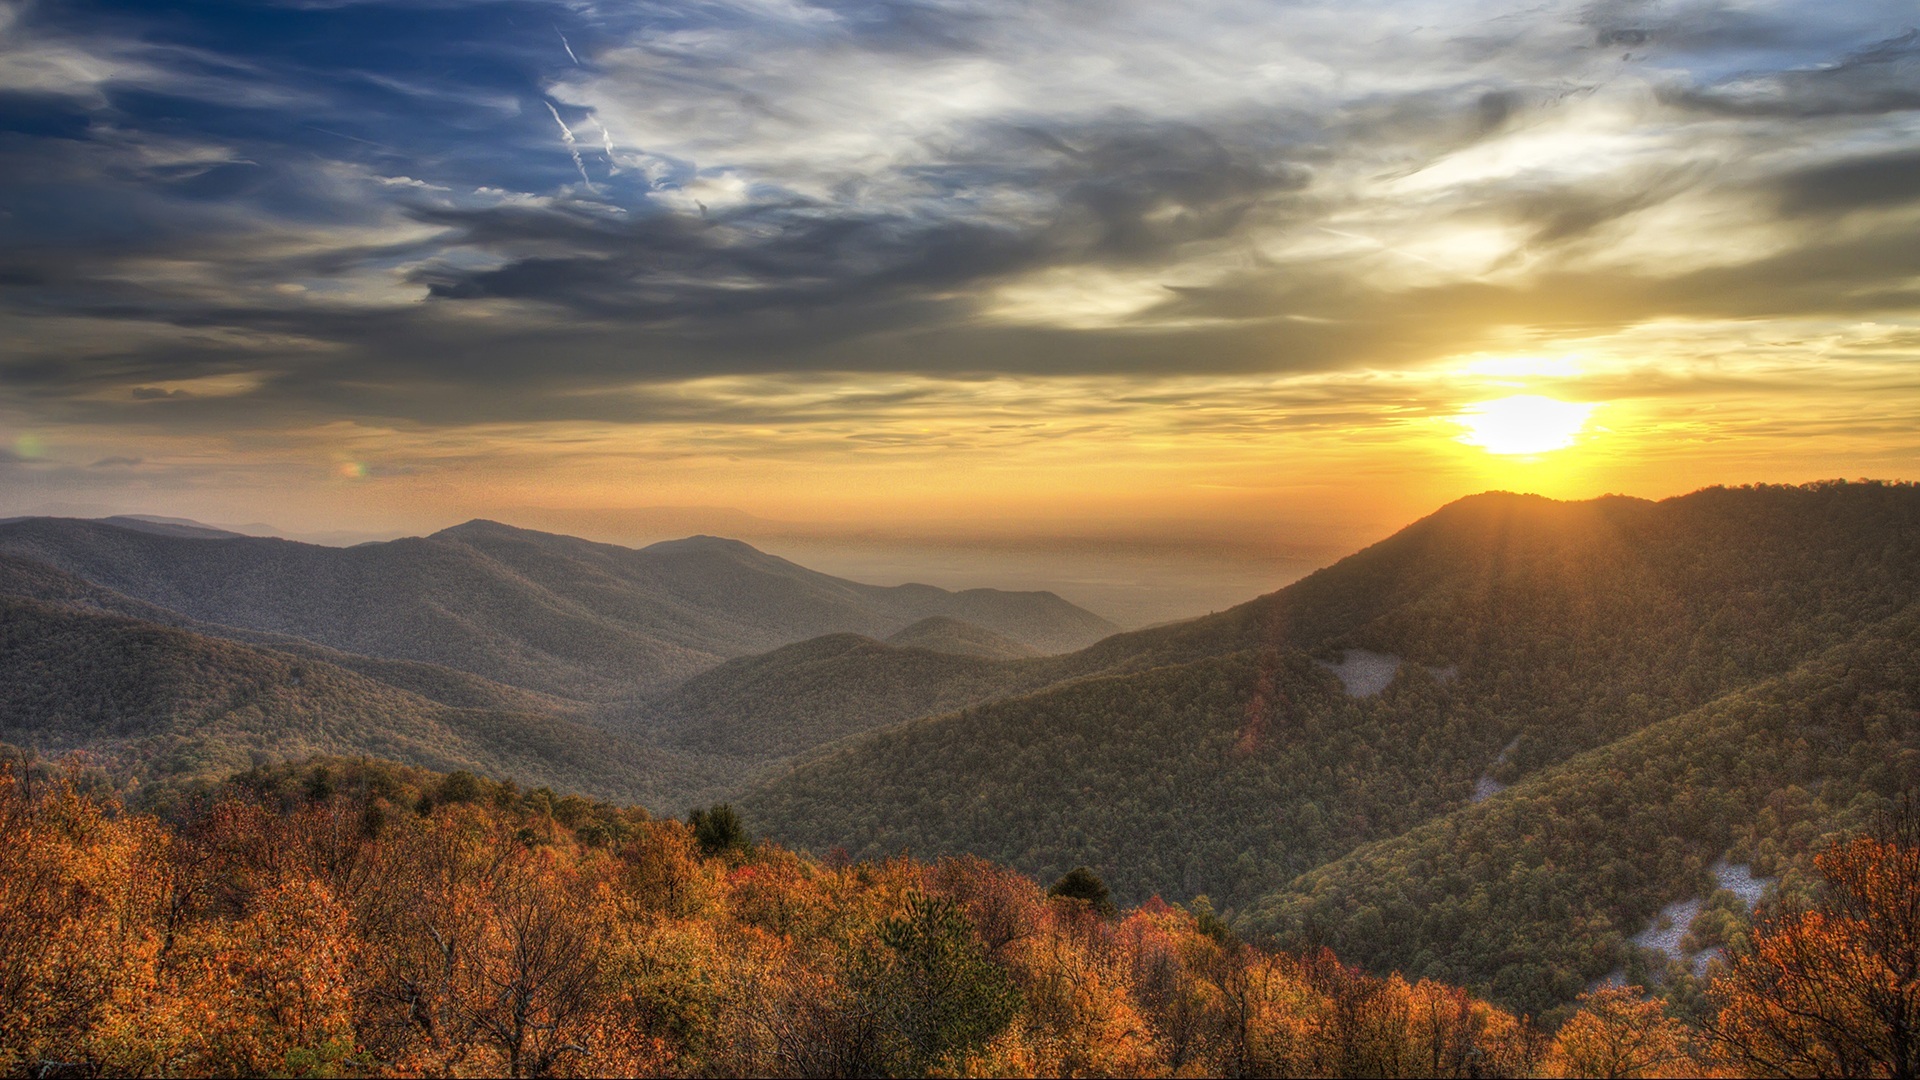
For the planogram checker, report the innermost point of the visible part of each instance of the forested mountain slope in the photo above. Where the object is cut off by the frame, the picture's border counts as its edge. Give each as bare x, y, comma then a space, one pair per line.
164, 703
942, 633
29, 580
1237, 763
548, 613
805, 695
1570, 624
1530, 894
1583, 620
1226, 777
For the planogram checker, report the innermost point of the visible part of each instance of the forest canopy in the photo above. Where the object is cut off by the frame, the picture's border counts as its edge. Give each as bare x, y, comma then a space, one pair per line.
355, 917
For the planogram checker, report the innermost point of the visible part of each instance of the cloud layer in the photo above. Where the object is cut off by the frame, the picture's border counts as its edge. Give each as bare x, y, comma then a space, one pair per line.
259, 224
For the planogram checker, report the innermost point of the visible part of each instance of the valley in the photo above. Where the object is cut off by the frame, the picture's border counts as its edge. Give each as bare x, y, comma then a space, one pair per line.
1488, 750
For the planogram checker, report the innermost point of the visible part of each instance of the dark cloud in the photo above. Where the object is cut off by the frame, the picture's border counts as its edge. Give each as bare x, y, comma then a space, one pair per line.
1127, 190
1854, 184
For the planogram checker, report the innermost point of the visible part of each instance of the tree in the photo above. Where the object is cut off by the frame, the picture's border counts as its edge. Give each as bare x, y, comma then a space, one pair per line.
1834, 990
1081, 883
718, 829
1620, 1032
931, 979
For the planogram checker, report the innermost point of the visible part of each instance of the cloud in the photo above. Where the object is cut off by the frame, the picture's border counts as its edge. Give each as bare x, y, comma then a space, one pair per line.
1883, 77
1877, 181
938, 190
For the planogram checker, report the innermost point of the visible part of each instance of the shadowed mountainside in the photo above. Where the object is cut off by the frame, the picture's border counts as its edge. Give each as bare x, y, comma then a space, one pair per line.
780, 704
1530, 893
168, 704
548, 613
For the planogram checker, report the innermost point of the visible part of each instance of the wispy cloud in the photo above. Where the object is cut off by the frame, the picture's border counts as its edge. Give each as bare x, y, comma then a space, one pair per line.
573, 148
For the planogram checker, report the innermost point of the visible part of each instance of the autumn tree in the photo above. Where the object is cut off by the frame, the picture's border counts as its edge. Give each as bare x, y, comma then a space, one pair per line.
1834, 990
1621, 1032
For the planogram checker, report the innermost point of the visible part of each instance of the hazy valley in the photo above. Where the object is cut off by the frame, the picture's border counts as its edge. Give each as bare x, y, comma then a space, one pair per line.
1635, 690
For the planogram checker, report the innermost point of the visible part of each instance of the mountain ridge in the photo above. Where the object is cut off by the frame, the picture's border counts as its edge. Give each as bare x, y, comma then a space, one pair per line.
536, 610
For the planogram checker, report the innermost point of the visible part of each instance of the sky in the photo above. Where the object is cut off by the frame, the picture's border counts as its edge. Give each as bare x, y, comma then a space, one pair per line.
1271, 276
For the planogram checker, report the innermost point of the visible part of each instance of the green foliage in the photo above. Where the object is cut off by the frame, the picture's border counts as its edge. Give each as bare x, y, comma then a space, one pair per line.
1082, 884
1215, 757
937, 995
1228, 776
459, 786
718, 829
1531, 895
1208, 922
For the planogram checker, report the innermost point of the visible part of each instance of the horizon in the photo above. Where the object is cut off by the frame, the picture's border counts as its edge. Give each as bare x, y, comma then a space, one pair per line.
1281, 277
1135, 580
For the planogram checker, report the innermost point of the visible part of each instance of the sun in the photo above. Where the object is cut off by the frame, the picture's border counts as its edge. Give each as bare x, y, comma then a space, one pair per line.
1523, 424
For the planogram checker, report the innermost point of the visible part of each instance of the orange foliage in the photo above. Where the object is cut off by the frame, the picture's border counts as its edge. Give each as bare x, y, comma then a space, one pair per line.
355, 926
1834, 991
1620, 1032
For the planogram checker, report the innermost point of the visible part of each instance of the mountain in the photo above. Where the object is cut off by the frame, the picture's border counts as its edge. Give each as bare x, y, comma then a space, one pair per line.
1601, 842
772, 707
26, 579
1490, 748
1223, 756
943, 634
169, 704
542, 612
171, 526
529, 629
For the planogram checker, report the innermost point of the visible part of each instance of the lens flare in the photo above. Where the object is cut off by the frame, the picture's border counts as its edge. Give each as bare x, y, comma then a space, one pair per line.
1523, 424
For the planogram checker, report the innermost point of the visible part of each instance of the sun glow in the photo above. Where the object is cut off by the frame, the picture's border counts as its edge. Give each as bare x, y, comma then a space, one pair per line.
1523, 424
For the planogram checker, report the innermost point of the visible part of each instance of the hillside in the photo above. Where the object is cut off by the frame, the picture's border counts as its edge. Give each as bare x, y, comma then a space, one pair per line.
165, 704
1215, 757
1225, 777
1531, 894
29, 580
1569, 624
548, 613
944, 634
783, 703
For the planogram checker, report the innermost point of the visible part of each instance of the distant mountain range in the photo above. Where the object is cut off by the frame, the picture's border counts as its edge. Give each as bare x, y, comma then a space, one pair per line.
548, 613
1590, 703
504, 650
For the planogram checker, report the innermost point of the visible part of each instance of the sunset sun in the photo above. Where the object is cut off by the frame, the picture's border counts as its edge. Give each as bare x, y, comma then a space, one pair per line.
1523, 424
